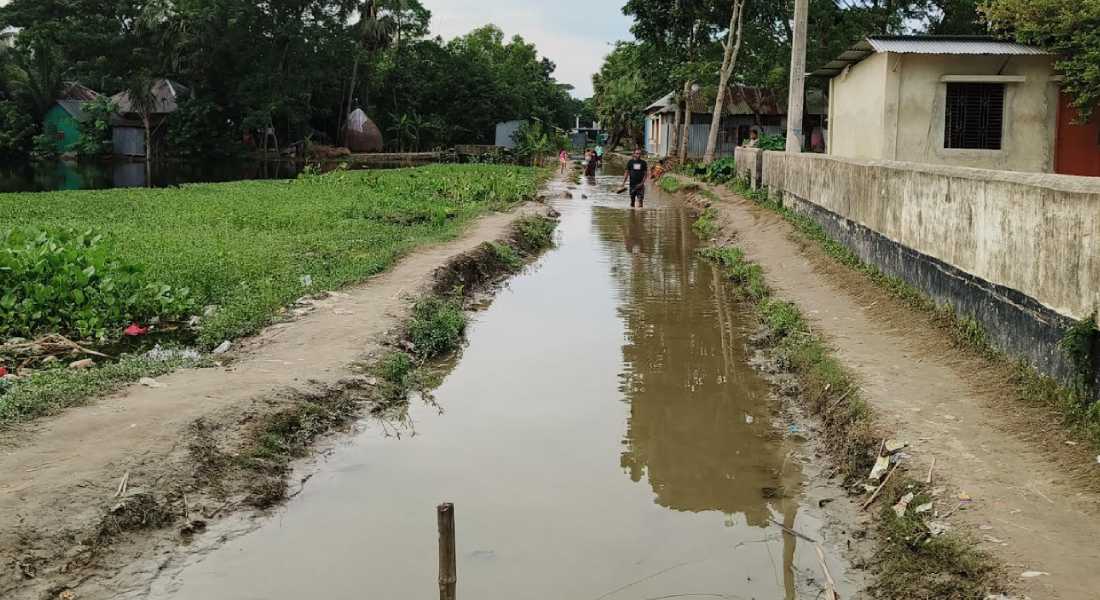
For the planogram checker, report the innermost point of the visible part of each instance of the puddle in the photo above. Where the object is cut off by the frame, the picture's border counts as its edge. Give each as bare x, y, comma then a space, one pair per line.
602, 438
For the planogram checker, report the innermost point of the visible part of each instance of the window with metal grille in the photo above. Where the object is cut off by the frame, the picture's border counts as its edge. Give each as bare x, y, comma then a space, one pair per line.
975, 116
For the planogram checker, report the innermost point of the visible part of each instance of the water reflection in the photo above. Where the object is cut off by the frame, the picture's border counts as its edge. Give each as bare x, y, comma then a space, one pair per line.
697, 431
71, 175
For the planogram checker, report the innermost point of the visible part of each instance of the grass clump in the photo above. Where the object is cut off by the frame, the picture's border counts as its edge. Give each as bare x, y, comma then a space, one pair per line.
437, 326
49, 391
706, 226
507, 256
670, 184
534, 233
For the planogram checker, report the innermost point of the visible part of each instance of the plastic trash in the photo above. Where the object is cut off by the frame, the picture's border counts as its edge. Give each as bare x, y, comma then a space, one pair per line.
135, 330
222, 347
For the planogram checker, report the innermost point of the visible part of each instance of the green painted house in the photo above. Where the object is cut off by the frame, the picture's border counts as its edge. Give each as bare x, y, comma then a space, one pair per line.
62, 121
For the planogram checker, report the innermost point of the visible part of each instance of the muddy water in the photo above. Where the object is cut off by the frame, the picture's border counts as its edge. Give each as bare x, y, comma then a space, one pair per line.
602, 438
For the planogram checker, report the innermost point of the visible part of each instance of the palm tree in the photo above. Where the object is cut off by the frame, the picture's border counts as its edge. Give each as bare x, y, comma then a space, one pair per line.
374, 32
139, 93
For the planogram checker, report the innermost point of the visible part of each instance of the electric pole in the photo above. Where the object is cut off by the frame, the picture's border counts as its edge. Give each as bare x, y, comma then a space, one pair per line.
796, 102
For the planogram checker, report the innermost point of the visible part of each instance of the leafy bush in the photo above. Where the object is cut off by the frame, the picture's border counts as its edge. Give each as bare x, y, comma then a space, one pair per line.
201, 129
772, 142
95, 129
535, 142
721, 170
43, 147
67, 282
16, 130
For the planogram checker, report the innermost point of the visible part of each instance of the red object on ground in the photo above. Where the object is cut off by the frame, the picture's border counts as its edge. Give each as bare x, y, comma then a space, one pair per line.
3, 371
135, 330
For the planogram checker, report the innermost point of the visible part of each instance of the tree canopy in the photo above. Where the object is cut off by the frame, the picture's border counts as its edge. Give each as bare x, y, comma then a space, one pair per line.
287, 64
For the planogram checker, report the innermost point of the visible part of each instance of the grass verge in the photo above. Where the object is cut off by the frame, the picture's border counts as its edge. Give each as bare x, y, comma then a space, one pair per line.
1076, 403
911, 563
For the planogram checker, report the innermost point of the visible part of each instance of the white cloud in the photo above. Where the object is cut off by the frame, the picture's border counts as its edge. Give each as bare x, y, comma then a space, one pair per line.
575, 34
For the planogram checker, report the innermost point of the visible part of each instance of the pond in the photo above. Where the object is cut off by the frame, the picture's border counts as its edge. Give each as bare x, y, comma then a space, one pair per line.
71, 175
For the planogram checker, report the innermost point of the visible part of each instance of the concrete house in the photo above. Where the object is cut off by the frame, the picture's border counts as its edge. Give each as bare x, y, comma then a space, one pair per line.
963, 101
7, 36
746, 107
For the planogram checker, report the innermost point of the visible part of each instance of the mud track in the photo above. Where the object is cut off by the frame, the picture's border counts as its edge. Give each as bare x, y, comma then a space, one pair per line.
93, 501
1035, 506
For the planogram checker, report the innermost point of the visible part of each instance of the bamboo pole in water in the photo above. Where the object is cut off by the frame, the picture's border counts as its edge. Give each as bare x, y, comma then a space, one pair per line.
448, 569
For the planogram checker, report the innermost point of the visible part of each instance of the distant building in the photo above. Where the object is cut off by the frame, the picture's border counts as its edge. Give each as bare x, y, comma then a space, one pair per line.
62, 121
505, 133
746, 108
956, 100
7, 36
127, 128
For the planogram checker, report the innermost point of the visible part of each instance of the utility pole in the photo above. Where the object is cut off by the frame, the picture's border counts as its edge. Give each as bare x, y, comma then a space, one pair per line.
796, 102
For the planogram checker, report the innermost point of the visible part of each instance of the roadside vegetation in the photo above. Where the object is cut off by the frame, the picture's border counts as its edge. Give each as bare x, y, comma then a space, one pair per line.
210, 262
913, 560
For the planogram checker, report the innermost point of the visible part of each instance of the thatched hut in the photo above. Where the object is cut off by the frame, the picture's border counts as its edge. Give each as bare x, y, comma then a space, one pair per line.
363, 134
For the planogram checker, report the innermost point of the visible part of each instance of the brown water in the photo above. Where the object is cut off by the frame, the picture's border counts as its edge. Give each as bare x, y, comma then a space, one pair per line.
602, 438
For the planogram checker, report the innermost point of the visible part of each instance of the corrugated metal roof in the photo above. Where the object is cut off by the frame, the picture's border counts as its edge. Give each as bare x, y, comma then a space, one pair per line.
73, 107
667, 101
744, 100
925, 44
951, 45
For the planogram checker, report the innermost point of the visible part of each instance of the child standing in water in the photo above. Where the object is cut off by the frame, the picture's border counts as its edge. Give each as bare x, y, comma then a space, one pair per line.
563, 158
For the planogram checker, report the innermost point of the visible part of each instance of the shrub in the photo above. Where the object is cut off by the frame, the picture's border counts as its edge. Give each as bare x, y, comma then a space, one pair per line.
95, 129
437, 326
721, 170
67, 282
772, 142
16, 130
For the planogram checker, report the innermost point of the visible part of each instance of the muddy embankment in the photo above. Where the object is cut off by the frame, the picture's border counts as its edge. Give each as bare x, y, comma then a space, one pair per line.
1000, 513
98, 499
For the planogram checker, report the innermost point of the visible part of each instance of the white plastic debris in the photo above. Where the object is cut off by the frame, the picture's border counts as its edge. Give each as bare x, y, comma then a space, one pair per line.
150, 382
893, 446
223, 347
307, 280
923, 508
1031, 574
903, 504
881, 465
748, 419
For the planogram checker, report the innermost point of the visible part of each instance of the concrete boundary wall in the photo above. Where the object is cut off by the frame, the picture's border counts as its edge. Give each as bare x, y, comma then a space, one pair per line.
1017, 252
749, 164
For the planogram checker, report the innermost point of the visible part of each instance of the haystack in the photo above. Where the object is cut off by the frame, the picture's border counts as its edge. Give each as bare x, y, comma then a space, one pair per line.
363, 134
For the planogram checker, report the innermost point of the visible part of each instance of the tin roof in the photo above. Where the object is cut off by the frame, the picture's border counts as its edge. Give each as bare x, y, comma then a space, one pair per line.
166, 92
75, 109
925, 44
743, 100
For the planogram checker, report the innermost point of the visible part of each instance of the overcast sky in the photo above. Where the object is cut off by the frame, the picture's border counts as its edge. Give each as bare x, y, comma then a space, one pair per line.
575, 34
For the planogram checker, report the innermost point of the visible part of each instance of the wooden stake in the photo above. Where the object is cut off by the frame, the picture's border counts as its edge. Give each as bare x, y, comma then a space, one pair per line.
830, 585
881, 485
448, 568
930, 467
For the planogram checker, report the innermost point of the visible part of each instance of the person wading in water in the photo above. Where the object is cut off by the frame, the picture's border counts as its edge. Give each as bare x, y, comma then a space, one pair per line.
636, 171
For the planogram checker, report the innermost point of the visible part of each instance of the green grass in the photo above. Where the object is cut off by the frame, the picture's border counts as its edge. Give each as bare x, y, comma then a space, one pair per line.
251, 247
706, 225
49, 391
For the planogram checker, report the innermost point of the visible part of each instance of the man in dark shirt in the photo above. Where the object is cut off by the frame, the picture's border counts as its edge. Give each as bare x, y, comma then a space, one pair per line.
636, 171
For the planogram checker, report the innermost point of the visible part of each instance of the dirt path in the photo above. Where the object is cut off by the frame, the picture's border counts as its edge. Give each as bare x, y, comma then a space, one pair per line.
59, 476
1028, 509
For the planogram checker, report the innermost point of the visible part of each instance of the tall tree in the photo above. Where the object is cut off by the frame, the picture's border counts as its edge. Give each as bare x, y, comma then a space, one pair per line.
732, 47
1069, 28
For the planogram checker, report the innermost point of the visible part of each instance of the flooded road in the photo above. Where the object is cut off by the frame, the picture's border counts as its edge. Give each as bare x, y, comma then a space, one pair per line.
602, 438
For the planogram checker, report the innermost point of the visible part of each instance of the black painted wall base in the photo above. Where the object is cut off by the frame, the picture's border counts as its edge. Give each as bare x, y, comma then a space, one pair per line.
1015, 324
